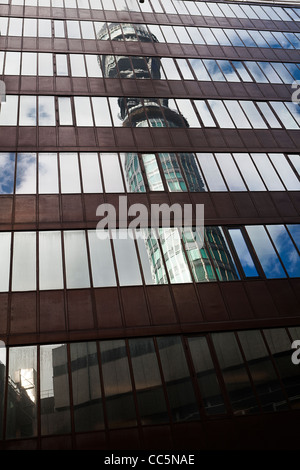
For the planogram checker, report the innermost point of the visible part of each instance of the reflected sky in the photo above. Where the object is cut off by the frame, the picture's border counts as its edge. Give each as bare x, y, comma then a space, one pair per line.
286, 249
7, 169
26, 173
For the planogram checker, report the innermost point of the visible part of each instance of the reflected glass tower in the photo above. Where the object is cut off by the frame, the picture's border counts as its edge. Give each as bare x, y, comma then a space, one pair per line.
152, 112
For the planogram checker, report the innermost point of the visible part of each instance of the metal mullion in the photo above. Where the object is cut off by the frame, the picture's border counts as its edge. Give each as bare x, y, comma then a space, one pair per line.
134, 391
103, 397
275, 249
292, 239
252, 250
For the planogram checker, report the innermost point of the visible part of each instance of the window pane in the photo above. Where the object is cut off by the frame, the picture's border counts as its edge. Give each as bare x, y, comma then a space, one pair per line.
187, 110
180, 391
295, 160
21, 416
262, 371
12, 63
286, 249
295, 233
45, 30
199, 69
234, 373
54, 393
174, 255
151, 257
69, 173
65, 111
93, 66
101, 259
230, 172
237, 114
211, 172
24, 261
220, 254
150, 395
5, 250
256, 72
48, 173
170, 69
77, 271
267, 172
112, 175
284, 115
26, 173
29, 63
15, 27
228, 71
280, 347
46, 111
45, 64
198, 257
249, 172
285, 171
206, 376
7, 173
27, 115
221, 114
152, 172
73, 29
83, 111
90, 171
126, 258
9, 111
77, 65
172, 172
50, 261
132, 172
86, 388
185, 69
243, 253
59, 29
101, 111
268, 115
191, 171
253, 115
87, 30
61, 65
117, 384
205, 114
214, 70
265, 252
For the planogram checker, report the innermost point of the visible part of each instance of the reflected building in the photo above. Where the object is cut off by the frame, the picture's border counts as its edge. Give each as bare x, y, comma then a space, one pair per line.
138, 112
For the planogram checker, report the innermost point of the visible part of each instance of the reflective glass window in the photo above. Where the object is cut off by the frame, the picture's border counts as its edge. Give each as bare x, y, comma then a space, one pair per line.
83, 111
199, 69
253, 115
285, 171
282, 72
187, 110
211, 171
233, 37
234, 373
87, 29
180, 391
197, 38
152, 172
15, 27
243, 253
46, 111
204, 113
112, 175
151, 257
101, 111
280, 347
45, 29
286, 249
270, 38
27, 116
61, 65
21, 415
182, 35
266, 169
237, 114
184, 69
198, 257
132, 172
7, 172
24, 262
73, 30
221, 37
5, 250
284, 115
230, 172
30, 27
54, 390
265, 252
65, 111
77, 65
126, 259
48, 173
249, 172
176, 262
295, 159
170, 69
86, 387
29, 64
206, 376
228, 71
256, 72
77, 271
294, 230
119, 402
12, 63
169, 34
239, 66
220, 254
257, 38
69, 173
208, 36
90, 171
268, 115
150, 395
26, 173
214, 70
262, 371
9, 111
50, 260
59, 29
93, 66
221, 114
103, 272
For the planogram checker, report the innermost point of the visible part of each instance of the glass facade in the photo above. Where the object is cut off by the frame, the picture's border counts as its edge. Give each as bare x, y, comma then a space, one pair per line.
113, 335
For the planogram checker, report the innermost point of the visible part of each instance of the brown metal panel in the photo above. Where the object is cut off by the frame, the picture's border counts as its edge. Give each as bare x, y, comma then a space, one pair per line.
6, 205
285, 299
124, 138
23, 312
189, 436
124, 439
48, 208
86, 137
52, 311
244, 204
161, 306
261, 299
3, 313
91, 441
47, 136
214, 308
187, 303
264, 204
237, 300
27, 137
105, 137
72, 210
91, 202
56, 443
108, 309
224, 205
67, 137
80, 310
135, 306
283, 204
157, 437
25, 209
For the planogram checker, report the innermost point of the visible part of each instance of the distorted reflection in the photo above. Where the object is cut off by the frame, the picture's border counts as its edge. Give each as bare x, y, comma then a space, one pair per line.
26, 173
7, 170
286, 249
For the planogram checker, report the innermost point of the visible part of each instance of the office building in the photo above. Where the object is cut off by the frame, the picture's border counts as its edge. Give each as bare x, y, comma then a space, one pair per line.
173, 336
